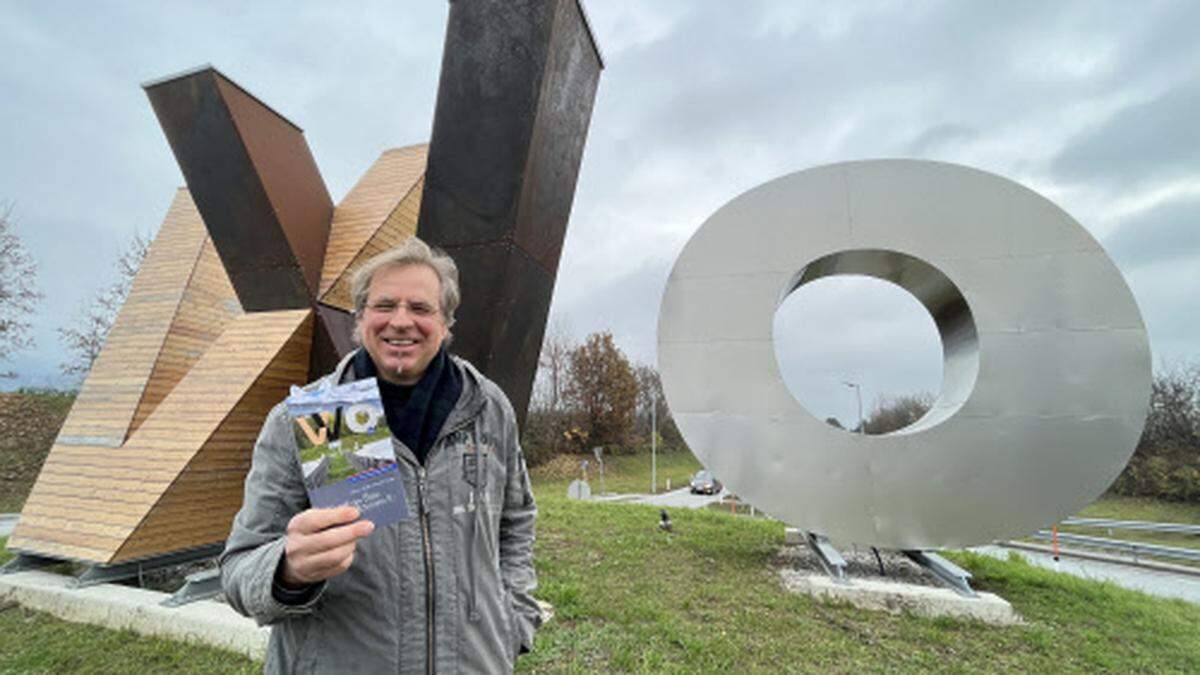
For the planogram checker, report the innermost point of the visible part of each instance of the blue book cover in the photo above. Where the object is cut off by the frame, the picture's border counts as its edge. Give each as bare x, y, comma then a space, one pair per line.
345, 450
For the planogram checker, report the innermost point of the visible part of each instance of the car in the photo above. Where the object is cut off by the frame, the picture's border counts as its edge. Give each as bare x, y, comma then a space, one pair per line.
704, 483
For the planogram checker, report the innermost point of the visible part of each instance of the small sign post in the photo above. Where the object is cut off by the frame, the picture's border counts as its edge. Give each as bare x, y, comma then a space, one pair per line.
599, 453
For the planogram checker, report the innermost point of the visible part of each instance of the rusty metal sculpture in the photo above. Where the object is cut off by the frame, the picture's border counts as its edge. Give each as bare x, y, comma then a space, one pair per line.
245, 290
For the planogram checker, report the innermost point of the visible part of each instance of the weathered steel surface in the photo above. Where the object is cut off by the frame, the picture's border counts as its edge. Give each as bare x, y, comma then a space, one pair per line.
511, 298
1047, 372
255, 183
333, 338
514, 103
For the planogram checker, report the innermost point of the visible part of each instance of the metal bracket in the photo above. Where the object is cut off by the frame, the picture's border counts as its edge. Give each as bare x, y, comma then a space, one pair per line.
27, 561
947, 572
832, 561
198, 586
102, 574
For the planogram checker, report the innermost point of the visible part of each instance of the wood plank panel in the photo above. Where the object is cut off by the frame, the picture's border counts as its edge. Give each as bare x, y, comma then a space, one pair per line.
146, 483
208, 304
107, 402
173, 522
387, 198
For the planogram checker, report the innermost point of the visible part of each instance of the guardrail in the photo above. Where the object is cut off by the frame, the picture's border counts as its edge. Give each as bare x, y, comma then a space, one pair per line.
1142, 525
1134, 548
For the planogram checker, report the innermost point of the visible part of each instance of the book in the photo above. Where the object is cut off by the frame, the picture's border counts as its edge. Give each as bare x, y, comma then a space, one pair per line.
345, 450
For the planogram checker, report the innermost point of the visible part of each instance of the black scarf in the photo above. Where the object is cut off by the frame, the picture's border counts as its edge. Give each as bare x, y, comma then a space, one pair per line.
416, 413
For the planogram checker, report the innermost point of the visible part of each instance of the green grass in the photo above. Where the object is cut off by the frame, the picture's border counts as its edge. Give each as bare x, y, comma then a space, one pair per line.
708, 598
1141, 508
622, 473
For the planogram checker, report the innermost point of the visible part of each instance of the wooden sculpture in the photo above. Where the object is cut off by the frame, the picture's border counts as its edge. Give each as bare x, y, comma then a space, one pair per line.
245, 290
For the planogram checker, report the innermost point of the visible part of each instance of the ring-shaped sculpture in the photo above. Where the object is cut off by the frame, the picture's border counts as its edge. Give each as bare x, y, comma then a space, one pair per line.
1047, 367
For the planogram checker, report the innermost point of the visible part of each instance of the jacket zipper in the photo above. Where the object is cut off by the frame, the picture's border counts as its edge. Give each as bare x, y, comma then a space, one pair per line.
429, 585
423, 506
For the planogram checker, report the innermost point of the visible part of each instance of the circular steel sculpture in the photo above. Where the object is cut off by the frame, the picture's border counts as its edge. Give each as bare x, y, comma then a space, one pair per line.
1047, 367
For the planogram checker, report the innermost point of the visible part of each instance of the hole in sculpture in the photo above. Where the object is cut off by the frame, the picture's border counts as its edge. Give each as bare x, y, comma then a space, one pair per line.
861, 325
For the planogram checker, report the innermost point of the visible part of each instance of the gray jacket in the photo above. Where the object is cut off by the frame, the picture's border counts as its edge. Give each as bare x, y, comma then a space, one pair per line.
453, 581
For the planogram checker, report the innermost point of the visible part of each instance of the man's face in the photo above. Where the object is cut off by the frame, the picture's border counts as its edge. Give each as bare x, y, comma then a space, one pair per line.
402, 325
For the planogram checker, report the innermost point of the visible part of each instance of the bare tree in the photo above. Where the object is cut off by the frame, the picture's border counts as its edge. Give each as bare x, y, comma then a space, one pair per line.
18, 293
1166, 463
548, 418
85, 337
896, 412
553, 366
650, 394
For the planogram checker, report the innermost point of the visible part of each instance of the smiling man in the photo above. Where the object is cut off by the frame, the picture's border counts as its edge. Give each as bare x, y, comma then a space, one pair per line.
447, 590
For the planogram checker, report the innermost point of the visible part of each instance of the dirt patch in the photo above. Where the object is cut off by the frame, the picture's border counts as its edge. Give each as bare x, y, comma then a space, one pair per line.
559, 467
29, 423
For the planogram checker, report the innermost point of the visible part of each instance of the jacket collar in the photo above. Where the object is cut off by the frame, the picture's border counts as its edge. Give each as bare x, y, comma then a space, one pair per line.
470, 402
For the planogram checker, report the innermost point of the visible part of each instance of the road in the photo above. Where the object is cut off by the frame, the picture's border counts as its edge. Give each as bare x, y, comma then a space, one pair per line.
675, 499
7, 522
1162, 584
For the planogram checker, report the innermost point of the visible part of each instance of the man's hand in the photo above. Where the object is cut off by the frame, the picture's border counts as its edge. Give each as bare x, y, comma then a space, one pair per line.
320, 544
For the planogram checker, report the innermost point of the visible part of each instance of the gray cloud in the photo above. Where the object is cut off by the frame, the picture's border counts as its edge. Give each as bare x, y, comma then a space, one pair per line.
1145, 142
939, 136
1165, 234
698, 103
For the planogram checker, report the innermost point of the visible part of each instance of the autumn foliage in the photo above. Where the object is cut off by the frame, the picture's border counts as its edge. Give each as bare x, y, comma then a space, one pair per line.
590, 395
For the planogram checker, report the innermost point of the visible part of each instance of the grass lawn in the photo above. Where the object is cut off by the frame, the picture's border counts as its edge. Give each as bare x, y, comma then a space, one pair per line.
34, 642
1141, 508
630, 598
708, 598
622, 473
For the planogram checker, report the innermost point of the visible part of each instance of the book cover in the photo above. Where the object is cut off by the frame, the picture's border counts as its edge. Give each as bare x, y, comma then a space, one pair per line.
345, 450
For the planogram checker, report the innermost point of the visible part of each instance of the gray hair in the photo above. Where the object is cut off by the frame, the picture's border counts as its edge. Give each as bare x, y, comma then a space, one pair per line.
412, 252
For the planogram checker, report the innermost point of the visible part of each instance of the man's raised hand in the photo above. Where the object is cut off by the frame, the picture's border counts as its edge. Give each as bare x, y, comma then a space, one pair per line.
320, 544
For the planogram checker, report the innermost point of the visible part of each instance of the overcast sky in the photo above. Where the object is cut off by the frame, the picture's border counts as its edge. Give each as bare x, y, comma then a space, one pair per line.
1092, 104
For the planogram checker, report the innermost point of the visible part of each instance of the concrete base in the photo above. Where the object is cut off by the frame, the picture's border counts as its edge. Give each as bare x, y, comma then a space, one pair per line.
889, 596
113, 606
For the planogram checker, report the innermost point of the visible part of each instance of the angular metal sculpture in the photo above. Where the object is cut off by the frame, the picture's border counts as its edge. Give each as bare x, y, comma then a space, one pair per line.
1047, 371
513, 108
254, 180
245, 290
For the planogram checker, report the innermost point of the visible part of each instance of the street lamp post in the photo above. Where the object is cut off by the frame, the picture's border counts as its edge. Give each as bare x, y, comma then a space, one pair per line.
653, 442
858, 390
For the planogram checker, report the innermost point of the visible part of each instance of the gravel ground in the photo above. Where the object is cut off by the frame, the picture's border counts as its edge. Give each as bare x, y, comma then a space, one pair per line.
860, 564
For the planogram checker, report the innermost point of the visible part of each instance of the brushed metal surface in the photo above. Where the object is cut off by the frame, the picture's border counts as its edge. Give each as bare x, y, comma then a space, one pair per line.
1047, 367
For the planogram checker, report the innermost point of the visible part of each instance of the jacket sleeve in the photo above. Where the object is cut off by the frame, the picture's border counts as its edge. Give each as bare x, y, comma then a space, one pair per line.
274, 492
516, 538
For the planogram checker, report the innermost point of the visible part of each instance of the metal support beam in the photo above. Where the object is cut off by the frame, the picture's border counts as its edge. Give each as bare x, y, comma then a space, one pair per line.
947, 572
832, 561
103, 574
27, 561
255, 183
198, 586
514, 104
